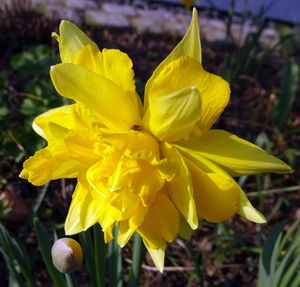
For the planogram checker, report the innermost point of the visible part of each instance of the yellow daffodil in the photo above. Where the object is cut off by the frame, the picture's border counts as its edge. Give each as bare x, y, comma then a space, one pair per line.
154, 168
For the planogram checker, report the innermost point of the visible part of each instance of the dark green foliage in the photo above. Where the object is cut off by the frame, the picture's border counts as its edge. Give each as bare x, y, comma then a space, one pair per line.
25, 92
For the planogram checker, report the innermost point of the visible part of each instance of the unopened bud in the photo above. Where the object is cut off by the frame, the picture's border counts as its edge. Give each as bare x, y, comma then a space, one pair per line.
66, 255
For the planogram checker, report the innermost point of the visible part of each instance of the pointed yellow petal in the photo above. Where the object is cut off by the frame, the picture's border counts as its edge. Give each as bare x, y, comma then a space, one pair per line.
84, 210
98, 94
71, 40
217, 197
108, 234
161, 223
189, 46
180, 189
157, 255
184, 73
125, 233
173, 116
235, 155
185, 230
61, 116
248, 211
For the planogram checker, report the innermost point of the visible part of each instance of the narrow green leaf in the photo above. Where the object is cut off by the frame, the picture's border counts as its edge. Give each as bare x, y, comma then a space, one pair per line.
287, 260
87, 243
138, 252
296, 281
16, 257
45, 246
289, 233
99, 255
265, 259
114, 262
289, 85
290, 273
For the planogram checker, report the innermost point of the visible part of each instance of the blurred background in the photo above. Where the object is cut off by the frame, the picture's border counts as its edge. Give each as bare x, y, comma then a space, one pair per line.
254, 45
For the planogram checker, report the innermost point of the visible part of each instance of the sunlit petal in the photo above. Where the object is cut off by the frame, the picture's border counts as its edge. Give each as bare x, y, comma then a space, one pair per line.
235, 155
97, 93
166, 218
180, 189
248, 211
84, 210
71, 40
173, 116
190, 46
157, 255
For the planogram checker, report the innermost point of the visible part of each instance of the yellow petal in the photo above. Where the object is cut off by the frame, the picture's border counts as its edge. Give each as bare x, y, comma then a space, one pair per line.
235, 155
109, 215
216, 196
98, 94
248, 211
125, 233
111, 64
84, 210
185, 230
171, 117
157, 255
52, 165
61, 116
180, 189
71, 40
189, 46
185, 72
161, 223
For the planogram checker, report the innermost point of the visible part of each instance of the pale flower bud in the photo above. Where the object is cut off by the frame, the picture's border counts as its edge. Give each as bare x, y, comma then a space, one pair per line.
66, 255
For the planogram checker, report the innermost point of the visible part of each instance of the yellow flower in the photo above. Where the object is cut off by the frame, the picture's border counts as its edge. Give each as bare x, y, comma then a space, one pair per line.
155, 169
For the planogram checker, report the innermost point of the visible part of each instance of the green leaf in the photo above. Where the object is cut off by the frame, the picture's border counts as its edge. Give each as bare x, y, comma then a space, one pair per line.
265, 262
114, 258
289, 85
86, 241
138, 252
280, 260
16, 258
45, 246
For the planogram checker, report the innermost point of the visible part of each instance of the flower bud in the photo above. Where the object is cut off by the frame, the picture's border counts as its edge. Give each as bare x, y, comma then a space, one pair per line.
66, 255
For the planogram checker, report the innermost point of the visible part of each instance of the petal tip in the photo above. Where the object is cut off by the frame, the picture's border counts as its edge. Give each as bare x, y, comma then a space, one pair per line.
194, 226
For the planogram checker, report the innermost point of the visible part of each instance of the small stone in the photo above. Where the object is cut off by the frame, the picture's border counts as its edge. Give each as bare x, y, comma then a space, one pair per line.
101, 19
125, 10
60, 13
82, 4
212, 30
19, 207
269, 38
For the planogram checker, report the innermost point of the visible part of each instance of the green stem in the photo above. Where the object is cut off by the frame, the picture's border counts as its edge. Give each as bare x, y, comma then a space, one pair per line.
273, 191
99, 248
71, 281
137, 259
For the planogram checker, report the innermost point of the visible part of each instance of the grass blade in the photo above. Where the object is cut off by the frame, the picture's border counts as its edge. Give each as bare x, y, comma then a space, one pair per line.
87, 243
289, 85
99, 255
16, 258
138, 252
114, 263
45, 246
